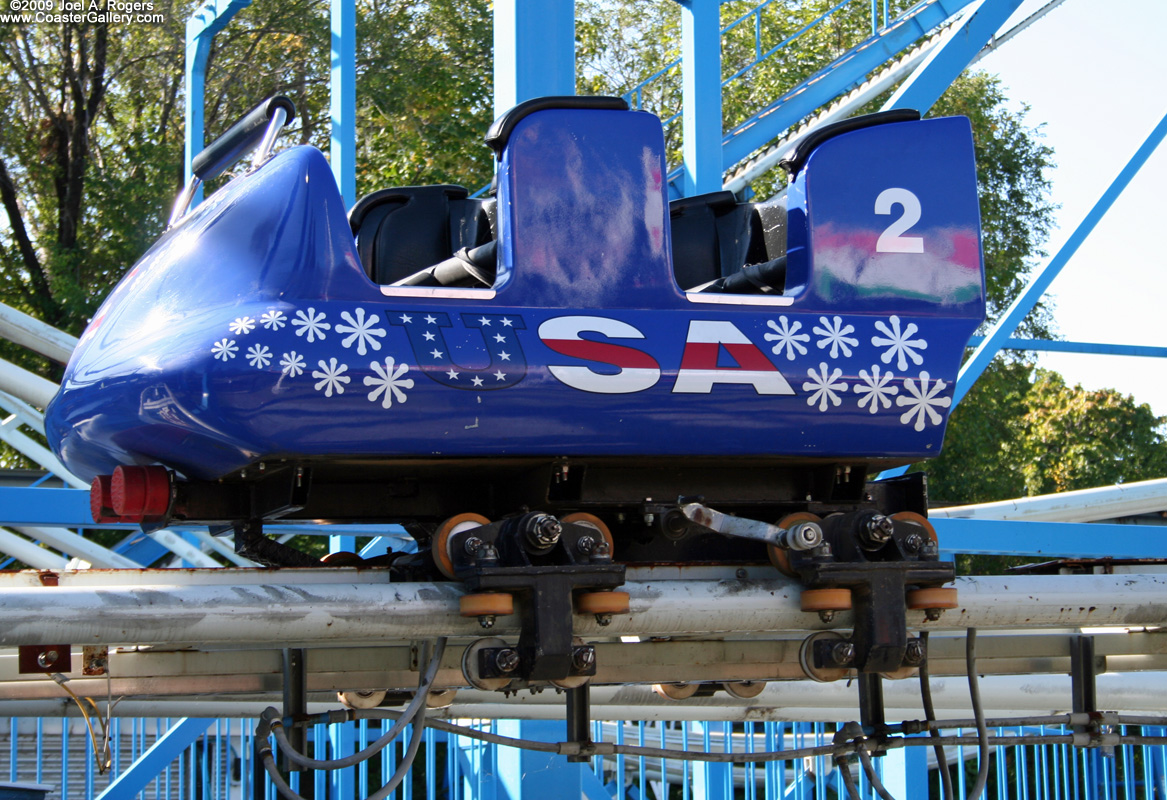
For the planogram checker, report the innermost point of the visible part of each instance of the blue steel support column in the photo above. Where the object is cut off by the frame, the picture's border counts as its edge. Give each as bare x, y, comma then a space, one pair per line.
701, 98
1021, 307
343, 98
948, 59
151, 763
209, 19
534, 50
905, 773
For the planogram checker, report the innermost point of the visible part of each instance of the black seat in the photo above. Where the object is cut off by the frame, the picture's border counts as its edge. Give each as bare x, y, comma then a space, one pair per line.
404, 230
714, 236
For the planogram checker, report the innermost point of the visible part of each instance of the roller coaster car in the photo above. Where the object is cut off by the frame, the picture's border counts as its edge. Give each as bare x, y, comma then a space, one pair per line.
578, 348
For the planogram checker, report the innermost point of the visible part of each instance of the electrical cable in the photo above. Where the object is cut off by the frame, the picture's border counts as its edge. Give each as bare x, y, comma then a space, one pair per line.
849, 782
930, 716
102, 766
974, 690
872, 776
606, 748
270, 723
425, 682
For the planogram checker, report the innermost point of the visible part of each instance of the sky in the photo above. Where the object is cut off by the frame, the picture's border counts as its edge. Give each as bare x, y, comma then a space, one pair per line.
1094, 74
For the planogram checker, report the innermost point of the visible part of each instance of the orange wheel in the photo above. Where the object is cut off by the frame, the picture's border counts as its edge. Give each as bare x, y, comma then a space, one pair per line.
592, 521
778, 556
936, 597
498, 604
917, 519
439, 546
676, 691
826, 600
343, 559
602, 602
744, 690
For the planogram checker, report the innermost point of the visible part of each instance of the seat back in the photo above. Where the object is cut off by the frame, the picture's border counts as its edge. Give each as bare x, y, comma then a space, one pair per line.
403, 230
713, 237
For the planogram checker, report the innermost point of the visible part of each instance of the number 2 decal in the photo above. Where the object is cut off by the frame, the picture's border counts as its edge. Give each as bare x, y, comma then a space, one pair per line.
893, 240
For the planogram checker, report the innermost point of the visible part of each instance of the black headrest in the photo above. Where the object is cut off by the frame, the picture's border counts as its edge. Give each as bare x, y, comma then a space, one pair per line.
795, 160
500, 131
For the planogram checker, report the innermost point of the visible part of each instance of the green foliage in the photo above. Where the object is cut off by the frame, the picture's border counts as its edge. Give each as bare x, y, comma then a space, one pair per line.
1023, 433
1079, 439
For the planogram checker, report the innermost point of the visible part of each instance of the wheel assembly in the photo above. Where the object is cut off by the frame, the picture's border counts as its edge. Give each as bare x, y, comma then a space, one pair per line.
602, 602
441, 541
367, 698
826, 600
676, 691
744, 690
503, 659
806, 657
933, 597
778, 556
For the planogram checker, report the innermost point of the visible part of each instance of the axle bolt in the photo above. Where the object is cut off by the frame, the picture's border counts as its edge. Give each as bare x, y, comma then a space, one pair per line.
506, 660
826, 616
472, 545
843, 653
604, 619
583, 658
543, 531
486, 620
877, 532
933, 614
913, 543
586, 544
914, 652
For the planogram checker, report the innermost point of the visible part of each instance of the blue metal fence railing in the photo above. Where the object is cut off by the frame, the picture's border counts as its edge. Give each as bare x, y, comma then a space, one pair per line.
218, 764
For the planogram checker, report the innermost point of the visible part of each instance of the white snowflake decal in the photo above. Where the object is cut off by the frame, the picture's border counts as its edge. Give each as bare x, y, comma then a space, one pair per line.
875, 389
259, 355
389, 382
787, 336
824, 388
273, 320
331, 377
225, 349
242, 325
923, 401
292, 364
899, 343
311, 324
360, 330
834, 333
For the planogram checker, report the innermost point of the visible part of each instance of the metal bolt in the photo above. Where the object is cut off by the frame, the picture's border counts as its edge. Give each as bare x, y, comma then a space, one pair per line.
604, 619
913, 543
804, 536
933, 613
583, 658
826, 615
472, 545
486, 620
878, 531
585, 544
914, 652
506, 660
649, 519
47, 658
742, 574
843, 653
544, 531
